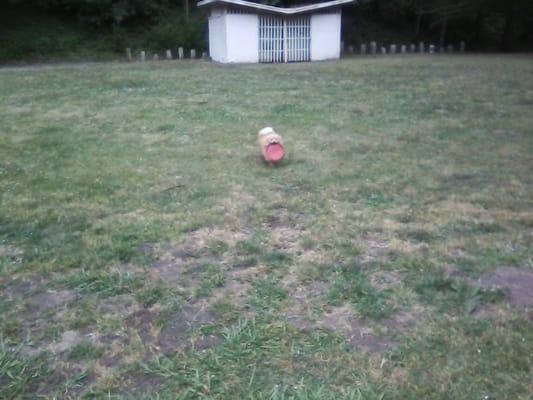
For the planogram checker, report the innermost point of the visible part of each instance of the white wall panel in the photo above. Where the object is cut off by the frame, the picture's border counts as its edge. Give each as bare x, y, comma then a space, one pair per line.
242, 38
325, 36
217, 35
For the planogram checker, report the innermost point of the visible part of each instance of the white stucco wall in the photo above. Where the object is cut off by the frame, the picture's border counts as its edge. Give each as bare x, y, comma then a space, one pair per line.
242, 38
217, 35
234, 38
325, 36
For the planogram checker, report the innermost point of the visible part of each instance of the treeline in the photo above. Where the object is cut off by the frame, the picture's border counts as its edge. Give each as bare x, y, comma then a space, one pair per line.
38, 30
107, 12
90, 28
505, 25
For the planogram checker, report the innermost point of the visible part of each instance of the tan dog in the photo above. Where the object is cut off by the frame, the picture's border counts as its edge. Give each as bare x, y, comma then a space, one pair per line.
267, 137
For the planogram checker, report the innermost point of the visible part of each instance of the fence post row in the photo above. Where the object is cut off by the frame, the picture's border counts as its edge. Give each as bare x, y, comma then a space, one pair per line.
364, 48
404, 49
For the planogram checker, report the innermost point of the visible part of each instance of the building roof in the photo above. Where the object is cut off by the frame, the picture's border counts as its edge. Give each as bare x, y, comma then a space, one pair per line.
276, 10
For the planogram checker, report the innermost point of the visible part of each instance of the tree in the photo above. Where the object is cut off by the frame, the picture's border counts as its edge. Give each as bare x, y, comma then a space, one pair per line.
101, 12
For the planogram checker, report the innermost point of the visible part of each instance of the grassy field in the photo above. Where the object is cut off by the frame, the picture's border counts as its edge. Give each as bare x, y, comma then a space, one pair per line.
147, 252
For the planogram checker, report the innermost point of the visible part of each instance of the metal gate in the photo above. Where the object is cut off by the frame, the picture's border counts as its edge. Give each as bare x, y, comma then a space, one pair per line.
284, 39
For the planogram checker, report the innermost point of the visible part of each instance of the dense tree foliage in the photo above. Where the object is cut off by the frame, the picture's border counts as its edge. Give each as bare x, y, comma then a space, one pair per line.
483, 23
156, 24
107, 11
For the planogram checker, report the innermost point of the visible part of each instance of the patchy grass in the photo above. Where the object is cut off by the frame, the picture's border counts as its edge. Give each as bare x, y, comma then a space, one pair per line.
147, 252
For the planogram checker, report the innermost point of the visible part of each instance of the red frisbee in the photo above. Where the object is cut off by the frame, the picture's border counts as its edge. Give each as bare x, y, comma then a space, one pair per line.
275, 152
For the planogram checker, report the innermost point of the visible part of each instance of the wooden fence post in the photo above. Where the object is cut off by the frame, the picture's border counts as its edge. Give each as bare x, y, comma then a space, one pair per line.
169, 55
412, 48
393, 49
422, 47
383, 50
350, 49
204, 55
450, 48
128, 54
193, 54
403, 49
431, 49
363, 48
156, 57
180, 53
373, 48
143, 56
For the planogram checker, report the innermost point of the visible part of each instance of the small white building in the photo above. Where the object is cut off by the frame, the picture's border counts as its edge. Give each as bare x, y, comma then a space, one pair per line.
245, 32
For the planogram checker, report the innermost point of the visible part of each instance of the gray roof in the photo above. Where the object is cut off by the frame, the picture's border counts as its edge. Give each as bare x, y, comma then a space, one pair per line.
276, 10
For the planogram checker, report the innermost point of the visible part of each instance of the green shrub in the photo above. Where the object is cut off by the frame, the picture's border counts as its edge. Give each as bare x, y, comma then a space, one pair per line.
174, 31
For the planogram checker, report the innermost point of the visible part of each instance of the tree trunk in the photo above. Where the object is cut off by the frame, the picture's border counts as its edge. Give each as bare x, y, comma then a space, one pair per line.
378, 8
509, 31
186, 3
418, 21
478, 26
443, 32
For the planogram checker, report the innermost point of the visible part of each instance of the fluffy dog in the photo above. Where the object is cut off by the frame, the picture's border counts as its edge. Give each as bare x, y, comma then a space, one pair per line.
271, 145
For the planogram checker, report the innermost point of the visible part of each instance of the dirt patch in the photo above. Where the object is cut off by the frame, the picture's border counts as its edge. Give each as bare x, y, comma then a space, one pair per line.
518, 282
370, 343
16, 288
174, 335
375, 249
175, 261
68, 340
145, 384
285, 230
172, 270
200, 238
299, 313
50, 299
147, 249
359, 336
238, 284
70, 380
119, 306
13, 253
404, 320
385, 280
303, 298
143, 322
286, 239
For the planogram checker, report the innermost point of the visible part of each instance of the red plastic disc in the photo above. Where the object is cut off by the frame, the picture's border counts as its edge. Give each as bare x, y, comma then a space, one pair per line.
275, 152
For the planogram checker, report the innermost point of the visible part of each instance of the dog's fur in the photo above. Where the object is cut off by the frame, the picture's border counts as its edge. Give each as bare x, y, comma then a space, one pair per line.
268, 136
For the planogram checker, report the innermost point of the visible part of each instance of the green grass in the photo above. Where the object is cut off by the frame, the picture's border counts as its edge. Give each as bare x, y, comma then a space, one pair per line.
147, 252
